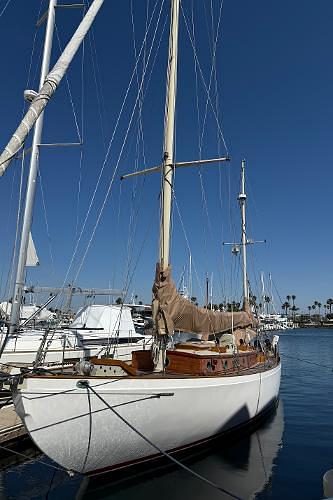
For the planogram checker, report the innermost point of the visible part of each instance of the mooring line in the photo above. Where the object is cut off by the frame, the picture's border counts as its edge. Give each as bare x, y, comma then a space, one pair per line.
307, 361
35, 460
85, 384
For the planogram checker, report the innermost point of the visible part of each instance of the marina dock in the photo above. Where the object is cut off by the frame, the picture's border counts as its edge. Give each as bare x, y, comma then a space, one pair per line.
11, 427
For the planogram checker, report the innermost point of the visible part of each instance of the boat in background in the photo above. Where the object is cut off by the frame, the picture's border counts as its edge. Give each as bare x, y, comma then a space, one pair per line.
95, 331
273, 322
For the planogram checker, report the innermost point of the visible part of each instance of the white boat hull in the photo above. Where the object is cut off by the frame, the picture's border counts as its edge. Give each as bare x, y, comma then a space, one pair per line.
23, 349
74, 427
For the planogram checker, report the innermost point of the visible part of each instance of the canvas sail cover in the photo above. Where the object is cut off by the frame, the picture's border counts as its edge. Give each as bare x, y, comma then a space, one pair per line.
32, 258
173, 312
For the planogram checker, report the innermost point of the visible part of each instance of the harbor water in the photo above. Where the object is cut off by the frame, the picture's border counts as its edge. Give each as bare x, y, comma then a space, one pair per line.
284, 458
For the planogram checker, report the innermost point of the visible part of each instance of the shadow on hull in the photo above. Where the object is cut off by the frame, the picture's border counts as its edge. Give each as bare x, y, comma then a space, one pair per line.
240, 461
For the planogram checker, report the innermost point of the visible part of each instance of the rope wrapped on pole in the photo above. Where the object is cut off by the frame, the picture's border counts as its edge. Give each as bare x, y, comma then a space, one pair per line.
49, 87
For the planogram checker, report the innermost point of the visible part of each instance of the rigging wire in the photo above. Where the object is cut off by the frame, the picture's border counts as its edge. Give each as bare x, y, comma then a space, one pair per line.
6, 232
307, 361
82, 131
46, 223
221, 267
32, 54
188, 246
129, 276
99, 90
4, 8
76, 121
11, 269
203, 197
203, 79
120, 153
106, 158
51, 466
10, 278
157, 448
133, 219
202, 128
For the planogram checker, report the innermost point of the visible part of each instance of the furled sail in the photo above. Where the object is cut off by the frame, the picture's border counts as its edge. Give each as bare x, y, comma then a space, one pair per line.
173, 312
32, 257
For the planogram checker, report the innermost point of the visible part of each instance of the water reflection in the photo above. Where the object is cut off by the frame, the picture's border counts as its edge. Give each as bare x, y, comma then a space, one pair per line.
242, 466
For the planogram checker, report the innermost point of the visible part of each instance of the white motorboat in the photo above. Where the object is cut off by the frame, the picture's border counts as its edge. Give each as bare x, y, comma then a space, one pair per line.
96, 329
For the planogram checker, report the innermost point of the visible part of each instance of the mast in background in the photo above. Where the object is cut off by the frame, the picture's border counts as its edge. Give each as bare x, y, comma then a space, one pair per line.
242, 202
263, 292
32, 181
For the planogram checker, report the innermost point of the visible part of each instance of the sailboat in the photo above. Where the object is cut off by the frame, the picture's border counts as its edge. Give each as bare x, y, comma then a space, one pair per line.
105, 414
95, 327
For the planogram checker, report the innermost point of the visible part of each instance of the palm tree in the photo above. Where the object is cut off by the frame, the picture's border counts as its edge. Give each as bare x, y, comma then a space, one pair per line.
294, 309
288, 298
315, 304
319, 306
293, 297
253, 300
286, 306
119, 300
309, 307
329, 302
267, 300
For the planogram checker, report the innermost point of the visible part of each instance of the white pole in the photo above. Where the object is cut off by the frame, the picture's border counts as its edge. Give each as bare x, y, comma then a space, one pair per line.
169, 126
262, 291
190, 277
242, 201
211, 291
32, 180
271, 293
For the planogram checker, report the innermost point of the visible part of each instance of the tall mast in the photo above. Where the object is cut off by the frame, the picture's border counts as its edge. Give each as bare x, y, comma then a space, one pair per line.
169, 127
32, 180
263, 293
190, 277
242, 202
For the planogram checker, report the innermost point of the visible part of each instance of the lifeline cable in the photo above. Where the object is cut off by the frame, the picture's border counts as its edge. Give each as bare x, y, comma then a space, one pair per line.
85, 383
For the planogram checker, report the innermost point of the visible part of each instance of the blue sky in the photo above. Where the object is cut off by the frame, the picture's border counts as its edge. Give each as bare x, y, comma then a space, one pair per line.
274, 82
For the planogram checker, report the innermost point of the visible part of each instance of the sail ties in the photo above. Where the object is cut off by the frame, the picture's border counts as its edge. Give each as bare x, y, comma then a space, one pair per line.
172, 312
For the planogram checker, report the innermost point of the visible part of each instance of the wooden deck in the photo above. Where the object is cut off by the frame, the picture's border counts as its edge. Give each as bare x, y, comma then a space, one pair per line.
11, 427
